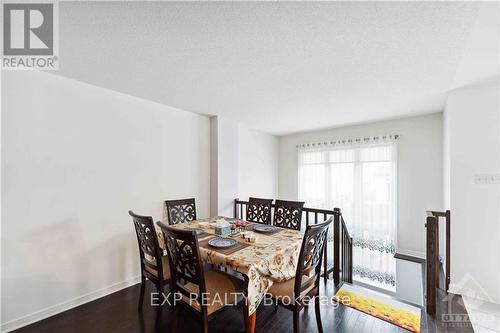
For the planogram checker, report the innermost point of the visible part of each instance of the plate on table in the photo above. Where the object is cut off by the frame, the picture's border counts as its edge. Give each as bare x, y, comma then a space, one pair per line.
264, 228
221, 242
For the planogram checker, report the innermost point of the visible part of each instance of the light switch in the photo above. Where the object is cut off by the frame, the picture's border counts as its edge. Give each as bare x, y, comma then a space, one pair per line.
487, 179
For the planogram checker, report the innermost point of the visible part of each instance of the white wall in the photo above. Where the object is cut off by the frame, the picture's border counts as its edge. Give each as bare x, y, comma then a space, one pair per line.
258, 164
225, 147
420, 169
473, 148
214, 166
409, 281
244, 163
75, 159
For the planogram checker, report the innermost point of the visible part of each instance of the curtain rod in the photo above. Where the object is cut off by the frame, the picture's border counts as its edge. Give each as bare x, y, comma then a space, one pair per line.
368, 139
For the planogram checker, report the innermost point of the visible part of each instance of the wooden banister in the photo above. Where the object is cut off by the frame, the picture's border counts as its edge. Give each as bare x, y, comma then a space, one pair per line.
447, 216
342, 242
436, 213
432, 256
448, 249
432, 268
336, 246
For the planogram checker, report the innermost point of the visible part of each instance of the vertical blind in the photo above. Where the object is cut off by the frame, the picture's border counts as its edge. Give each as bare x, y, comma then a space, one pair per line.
359, 177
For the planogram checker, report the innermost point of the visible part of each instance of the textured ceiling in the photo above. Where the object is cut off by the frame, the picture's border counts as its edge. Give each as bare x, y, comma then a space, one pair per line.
278, 67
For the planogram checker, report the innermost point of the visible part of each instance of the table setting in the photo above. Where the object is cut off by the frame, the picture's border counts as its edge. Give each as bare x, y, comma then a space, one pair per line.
262, 253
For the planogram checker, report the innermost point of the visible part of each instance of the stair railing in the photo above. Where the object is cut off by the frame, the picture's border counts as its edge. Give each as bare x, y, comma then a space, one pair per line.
342, 260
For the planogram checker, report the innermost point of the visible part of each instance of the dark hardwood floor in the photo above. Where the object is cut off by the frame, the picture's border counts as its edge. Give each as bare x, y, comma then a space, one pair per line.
117, 313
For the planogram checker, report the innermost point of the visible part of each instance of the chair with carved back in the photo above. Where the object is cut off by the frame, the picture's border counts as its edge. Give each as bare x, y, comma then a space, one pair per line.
288, 214
259, 210
204, 292
180, 211
296, 293
154, 265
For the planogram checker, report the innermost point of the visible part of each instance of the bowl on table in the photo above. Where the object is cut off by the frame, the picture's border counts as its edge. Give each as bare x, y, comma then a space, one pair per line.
249, 237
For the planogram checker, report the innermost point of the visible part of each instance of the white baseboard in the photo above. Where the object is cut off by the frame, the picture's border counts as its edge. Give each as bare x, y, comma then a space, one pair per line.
67, 305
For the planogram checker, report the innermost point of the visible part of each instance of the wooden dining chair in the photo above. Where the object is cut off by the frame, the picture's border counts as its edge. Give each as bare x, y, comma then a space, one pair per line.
295, 294
154, 265
288, 214
203, 292
180, 211
259, 210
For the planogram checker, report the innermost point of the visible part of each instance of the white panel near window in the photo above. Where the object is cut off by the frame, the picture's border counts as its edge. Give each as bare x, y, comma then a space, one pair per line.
359, 177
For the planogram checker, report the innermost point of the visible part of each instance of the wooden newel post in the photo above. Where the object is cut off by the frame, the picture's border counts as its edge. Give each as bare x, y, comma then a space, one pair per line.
236, 208
432, 253
350, 262
448, 249
336, 246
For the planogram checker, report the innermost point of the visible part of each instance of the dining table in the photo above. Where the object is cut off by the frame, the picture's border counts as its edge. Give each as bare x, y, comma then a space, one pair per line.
271, 257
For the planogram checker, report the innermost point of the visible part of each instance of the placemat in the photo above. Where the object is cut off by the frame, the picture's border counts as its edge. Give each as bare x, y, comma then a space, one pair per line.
226, 251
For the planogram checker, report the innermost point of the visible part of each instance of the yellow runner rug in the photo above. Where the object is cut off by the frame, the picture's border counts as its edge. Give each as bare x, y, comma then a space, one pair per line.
379, 306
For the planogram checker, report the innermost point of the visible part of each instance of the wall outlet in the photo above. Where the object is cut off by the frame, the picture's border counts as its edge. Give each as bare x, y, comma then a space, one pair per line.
487, 179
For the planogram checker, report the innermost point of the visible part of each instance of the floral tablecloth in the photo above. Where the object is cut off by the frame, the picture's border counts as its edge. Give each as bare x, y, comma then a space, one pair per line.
271, 258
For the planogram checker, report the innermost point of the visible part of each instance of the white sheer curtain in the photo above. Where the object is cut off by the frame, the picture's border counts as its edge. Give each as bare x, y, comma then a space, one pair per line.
359, 177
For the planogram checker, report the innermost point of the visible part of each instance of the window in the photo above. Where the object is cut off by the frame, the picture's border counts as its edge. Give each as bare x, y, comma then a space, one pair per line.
360, 179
